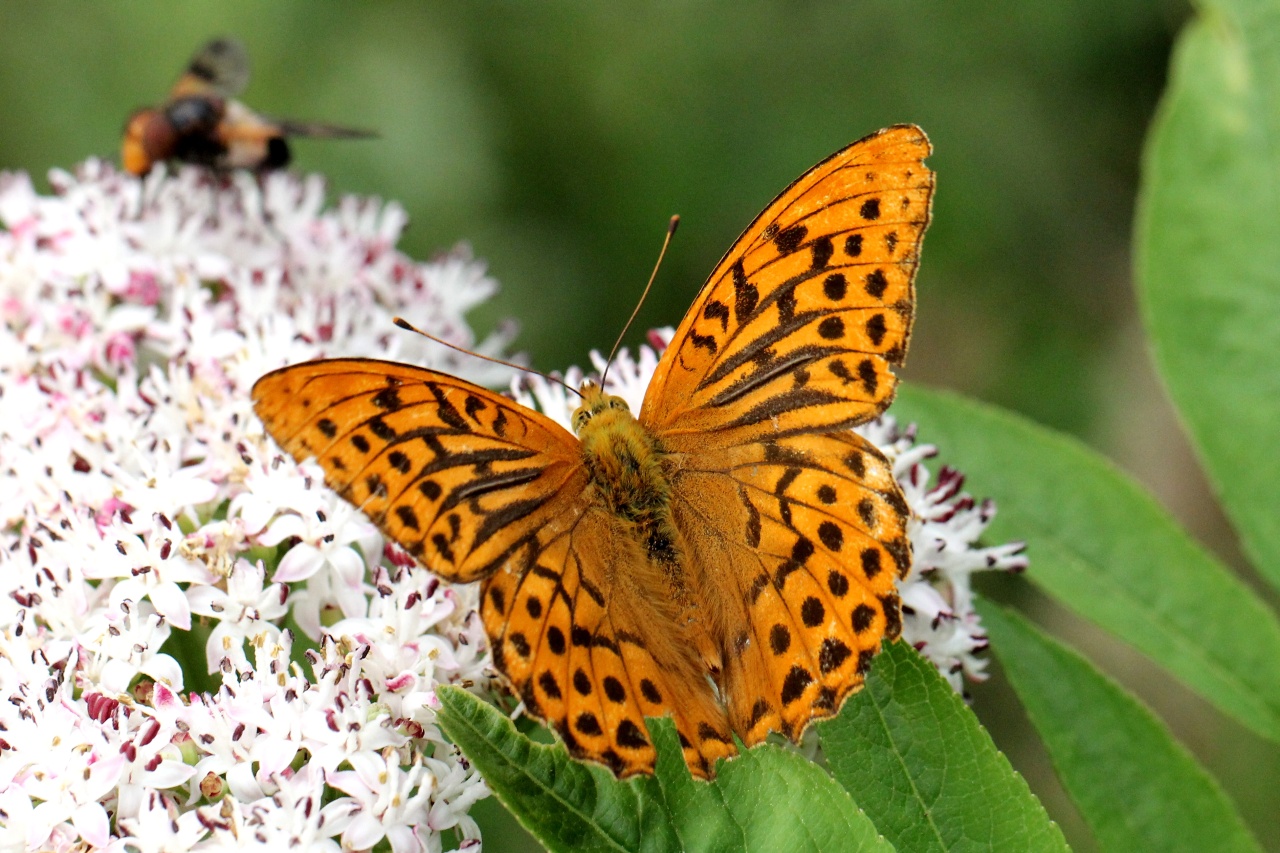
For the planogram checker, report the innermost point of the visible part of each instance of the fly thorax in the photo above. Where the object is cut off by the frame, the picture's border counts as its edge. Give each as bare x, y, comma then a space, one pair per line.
624, 459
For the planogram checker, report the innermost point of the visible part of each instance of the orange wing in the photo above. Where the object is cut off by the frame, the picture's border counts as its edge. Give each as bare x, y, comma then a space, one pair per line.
795, 527
801, 539
593, 645
799, 323
462, 477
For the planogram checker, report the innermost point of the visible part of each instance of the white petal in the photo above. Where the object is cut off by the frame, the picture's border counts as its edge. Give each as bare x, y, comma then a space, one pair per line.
90, 820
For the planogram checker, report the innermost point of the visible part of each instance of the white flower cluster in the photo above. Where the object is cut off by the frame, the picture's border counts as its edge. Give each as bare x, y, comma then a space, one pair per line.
150, 532
946, 523
201, 647
937, 601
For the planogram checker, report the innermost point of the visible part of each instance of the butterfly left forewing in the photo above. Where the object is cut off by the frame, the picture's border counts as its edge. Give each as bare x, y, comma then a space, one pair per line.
459, 476
798, 326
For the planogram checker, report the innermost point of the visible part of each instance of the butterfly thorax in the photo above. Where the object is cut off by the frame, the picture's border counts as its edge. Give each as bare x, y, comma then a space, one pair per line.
624, 459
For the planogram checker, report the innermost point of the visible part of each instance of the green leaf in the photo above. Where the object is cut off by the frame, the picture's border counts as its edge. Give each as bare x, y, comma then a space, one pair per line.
1106, 549
766, 799
1136, 787
1208, 258
922, 767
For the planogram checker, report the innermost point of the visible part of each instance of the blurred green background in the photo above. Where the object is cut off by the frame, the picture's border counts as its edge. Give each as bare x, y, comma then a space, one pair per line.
557, 138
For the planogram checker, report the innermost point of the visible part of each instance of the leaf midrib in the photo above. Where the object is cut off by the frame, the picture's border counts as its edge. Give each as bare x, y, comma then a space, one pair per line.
554, 795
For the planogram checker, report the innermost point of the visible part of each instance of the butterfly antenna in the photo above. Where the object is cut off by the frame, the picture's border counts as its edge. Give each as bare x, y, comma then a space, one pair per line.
671, 230
409, 327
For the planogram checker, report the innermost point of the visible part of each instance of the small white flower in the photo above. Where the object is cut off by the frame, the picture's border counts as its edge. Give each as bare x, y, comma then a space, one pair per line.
158, 825
122, 640
244, 612
386, 801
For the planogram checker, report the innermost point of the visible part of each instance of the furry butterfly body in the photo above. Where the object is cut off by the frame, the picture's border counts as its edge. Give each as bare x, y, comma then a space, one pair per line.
728, 556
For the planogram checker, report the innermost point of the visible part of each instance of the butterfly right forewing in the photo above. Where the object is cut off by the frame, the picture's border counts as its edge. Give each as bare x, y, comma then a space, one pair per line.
799, 324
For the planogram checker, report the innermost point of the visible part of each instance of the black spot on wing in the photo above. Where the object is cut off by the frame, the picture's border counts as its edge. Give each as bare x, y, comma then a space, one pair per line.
822, 251
790, 239
876, 329
875, 283
812, 612
473, 406
867, 373
831, 328
758, 711
779, 639
794, 684
445, 410
835, 286
650, 691
832, 654
407, 517
870, 559
400, 461
717, 310
629, 735
581, 683
614, 690
588, 724
745, 295
498, 599
381, 428
387, 399
549, 685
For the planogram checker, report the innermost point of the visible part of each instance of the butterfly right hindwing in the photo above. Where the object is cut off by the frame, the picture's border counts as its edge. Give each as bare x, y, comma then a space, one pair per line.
808, 543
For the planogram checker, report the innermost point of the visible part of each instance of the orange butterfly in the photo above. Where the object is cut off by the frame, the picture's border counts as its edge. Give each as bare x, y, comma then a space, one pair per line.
729, 557
202, 122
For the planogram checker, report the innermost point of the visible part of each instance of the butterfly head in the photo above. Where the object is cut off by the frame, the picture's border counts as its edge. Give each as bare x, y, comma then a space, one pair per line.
594, 402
